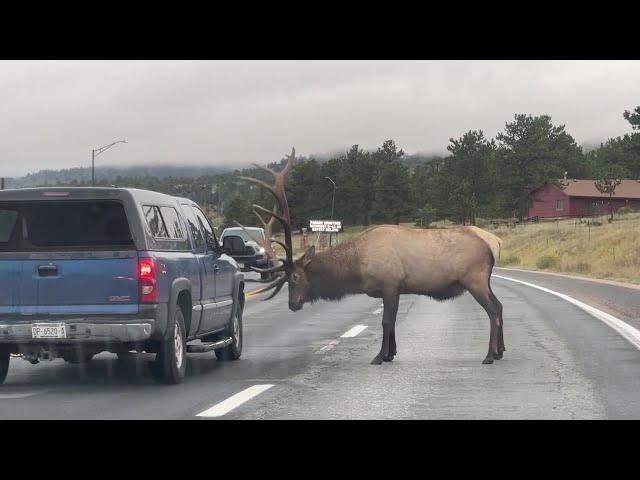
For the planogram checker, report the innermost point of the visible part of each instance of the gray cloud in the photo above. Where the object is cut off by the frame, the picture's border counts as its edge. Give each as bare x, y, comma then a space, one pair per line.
235, 112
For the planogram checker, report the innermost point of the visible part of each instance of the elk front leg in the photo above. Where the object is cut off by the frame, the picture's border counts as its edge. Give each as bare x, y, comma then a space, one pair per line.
388, 350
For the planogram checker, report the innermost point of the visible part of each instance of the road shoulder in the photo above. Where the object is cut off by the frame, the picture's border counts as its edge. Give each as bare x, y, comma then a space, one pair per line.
615, 298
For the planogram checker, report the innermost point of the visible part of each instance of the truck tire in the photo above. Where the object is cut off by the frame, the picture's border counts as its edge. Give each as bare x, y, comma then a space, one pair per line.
4, 364
234, 330
170, 365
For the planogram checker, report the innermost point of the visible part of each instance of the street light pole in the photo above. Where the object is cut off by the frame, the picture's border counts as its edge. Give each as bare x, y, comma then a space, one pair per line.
333, 199
94, 153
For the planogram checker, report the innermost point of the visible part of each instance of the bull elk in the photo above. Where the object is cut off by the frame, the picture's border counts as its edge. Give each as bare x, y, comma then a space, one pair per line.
385, 262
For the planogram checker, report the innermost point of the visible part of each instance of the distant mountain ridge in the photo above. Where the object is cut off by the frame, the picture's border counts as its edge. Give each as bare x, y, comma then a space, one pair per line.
111, 174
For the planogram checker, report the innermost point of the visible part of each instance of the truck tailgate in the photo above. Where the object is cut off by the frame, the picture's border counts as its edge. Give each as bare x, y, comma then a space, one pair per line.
67, 257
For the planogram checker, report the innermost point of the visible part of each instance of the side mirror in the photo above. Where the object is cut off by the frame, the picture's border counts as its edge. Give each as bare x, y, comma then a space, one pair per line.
233, 245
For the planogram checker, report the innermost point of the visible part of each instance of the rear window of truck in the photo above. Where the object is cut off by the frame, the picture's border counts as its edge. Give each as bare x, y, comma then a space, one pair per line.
42, 226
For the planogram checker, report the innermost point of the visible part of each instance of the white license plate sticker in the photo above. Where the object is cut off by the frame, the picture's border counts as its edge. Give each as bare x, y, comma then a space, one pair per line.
48, 330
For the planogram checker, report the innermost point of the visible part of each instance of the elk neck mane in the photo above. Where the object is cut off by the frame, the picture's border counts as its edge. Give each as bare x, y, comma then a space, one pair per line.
333, 273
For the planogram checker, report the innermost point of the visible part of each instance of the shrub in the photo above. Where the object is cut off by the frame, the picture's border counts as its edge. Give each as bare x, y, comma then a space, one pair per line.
510, 260
624, 210
583, 267
425, 216
547, 261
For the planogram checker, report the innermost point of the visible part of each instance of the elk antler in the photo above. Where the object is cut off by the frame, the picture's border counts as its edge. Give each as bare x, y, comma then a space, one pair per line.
279, 212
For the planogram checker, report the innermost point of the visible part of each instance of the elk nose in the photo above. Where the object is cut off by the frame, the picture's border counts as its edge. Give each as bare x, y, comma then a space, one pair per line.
294, 307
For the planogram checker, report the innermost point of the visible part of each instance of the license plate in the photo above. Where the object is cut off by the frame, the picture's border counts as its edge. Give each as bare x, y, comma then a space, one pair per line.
48, 330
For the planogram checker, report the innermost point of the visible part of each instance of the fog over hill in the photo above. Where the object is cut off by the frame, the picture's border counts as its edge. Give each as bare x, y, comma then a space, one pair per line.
111, 174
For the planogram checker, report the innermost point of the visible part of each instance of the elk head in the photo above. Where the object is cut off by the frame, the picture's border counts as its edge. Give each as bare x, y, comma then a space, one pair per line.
299, 287
280, 212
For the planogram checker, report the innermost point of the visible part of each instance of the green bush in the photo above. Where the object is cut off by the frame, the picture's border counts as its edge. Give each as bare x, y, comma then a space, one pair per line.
425, 216
547, 261
510, 260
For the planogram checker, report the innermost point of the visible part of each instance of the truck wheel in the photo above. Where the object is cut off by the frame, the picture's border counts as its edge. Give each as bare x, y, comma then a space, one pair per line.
170, 365
4, 364
234, 330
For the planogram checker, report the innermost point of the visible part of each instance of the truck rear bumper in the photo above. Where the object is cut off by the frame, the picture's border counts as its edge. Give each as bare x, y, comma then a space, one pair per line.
81, 332
149, 324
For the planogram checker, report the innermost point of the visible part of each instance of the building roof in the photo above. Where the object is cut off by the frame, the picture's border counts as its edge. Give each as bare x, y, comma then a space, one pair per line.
587, 188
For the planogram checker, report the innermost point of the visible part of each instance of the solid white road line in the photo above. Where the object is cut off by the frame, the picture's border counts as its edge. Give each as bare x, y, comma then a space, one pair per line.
627, 331
10, 396
353, 332
234, 401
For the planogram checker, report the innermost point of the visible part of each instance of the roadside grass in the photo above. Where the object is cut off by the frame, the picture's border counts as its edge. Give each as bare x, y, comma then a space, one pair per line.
600, 250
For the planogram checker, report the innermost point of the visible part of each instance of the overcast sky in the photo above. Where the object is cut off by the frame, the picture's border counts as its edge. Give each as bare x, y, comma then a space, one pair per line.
52, 113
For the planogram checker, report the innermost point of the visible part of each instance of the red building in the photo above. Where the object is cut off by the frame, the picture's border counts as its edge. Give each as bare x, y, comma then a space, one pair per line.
581, 198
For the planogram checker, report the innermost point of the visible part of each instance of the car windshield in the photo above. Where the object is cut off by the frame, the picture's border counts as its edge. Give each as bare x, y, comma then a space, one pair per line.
255, 234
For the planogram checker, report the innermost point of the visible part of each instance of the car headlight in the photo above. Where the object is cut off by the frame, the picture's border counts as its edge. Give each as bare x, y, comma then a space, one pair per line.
260, 251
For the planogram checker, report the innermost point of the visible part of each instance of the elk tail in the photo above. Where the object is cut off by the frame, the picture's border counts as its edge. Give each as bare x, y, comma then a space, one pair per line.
494, 242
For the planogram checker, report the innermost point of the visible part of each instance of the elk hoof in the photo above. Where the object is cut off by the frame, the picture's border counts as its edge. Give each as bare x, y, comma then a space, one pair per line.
487, 361
388, 359
497, 356
377, 360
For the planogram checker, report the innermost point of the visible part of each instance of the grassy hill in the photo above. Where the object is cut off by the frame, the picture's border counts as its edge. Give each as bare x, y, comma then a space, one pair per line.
600, 250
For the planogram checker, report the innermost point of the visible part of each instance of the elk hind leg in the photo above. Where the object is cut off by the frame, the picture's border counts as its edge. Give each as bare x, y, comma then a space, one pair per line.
498, 307
388, 350
484, 297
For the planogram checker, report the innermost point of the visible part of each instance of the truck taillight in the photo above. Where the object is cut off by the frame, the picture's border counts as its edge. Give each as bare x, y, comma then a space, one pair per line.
147, 280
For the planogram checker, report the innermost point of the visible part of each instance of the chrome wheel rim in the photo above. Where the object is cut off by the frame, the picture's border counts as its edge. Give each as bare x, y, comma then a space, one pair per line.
178, 346
236, 328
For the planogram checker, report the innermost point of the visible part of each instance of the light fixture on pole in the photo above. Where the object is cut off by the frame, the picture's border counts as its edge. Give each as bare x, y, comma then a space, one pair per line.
94, 153
333, 198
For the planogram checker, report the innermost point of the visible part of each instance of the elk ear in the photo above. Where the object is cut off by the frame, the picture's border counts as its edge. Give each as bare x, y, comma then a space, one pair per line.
308, 256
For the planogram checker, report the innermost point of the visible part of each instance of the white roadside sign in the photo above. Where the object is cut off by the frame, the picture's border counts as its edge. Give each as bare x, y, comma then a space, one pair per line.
325, 226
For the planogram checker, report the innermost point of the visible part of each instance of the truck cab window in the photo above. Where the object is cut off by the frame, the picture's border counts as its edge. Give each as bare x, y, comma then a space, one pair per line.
155, 222
212, 241
196, 231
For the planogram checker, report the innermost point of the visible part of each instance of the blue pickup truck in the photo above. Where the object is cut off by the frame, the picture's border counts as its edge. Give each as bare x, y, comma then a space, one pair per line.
89, 270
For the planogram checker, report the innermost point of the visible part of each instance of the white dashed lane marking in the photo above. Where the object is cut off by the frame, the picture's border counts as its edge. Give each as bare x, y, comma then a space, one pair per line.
329, 346
353, 332
235, 401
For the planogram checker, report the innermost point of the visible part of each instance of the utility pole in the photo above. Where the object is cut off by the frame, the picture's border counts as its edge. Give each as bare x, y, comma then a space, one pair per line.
333, 198
2, 183
94, 153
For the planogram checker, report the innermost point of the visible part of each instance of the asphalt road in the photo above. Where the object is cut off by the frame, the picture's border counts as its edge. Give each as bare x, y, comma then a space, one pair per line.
560, 363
